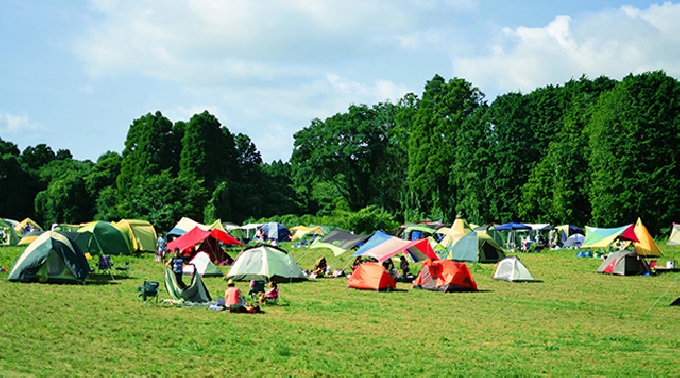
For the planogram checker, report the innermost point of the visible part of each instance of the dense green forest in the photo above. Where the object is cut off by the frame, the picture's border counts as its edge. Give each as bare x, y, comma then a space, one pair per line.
590, 152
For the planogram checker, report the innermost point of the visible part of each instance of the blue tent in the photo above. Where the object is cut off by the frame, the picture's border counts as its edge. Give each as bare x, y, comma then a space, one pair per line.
375, 240
278, 232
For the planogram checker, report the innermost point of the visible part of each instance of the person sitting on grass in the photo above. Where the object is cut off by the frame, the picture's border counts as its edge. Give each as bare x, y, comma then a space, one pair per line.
233, 299
320, 267
271, 293
403, 265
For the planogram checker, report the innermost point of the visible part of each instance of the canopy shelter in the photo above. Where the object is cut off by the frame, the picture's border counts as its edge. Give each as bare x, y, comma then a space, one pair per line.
511, 228
382, 246
604, 237
339, 241
102, 238
301, 231
208, 240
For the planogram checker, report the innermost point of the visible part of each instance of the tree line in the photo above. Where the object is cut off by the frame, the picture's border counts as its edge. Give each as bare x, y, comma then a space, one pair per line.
597, 152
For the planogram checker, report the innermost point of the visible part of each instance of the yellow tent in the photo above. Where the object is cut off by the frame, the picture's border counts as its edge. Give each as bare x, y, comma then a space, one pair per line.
646, 246
21, 227
142, 234
452, 234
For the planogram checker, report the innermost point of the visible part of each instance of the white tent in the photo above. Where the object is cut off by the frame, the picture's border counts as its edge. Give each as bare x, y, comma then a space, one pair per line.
511, 269
204, 266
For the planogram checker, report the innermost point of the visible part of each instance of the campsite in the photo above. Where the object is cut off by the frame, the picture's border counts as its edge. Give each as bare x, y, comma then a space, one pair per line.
573, 320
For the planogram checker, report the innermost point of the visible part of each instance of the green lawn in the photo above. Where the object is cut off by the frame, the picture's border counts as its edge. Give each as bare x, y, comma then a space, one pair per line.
574, 322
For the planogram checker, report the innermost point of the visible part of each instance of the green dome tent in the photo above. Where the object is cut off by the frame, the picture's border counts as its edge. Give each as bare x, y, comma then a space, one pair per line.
52, 257
8, 235
103, 239
265, 263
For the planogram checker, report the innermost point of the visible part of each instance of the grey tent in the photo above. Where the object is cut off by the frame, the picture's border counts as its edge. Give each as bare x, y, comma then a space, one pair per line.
511, 269
624, 263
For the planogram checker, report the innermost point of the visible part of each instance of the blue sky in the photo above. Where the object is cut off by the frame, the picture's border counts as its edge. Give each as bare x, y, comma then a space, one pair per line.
75, 74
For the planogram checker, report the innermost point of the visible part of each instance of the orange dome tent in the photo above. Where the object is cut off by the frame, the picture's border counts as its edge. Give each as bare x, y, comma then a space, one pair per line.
446, 276
371, 276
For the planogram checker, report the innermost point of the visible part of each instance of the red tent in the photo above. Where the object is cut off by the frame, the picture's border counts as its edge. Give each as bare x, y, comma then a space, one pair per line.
208, 240
371, 276
446, 276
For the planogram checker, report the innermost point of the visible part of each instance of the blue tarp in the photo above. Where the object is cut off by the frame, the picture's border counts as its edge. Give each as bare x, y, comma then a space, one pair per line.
375, 240
512, 226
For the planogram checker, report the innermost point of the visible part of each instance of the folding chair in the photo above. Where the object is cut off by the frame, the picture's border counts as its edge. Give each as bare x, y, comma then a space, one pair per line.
105, 264
148, 290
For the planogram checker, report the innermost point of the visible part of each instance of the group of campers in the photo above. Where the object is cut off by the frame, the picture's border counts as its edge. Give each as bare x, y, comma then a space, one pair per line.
401, 273
235, 301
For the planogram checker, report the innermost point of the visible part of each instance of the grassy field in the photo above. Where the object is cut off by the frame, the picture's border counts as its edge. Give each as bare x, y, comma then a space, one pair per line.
574, 322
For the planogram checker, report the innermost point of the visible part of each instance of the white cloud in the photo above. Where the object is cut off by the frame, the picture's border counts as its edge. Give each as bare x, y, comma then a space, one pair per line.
17, 124
611, 42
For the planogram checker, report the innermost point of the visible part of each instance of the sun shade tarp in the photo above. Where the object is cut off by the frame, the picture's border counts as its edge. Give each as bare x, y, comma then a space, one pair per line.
382, 246
339, 241
603, 237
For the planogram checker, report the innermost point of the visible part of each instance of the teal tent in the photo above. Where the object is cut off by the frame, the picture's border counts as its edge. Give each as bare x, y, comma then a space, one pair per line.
52, 257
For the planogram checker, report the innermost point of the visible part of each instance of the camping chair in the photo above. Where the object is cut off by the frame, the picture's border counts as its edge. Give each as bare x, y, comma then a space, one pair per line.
273, 298
256, 288
149, 289
105, 264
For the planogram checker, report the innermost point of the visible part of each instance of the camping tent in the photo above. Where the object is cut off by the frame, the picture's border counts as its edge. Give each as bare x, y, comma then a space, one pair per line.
470, 246
382, 246
574, 241
603, 237
8, 235
27, 225
208, 240
102, 238
141, 233
446, 276
476, 247
195, 292
276, 231
265, 263
371, 276
202, 265
511, 269
674, 239
646, 246
29, 237
52, 257
339, 241
624, 263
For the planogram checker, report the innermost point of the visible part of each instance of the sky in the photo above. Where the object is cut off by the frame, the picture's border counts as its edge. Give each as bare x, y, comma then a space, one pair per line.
76, 74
